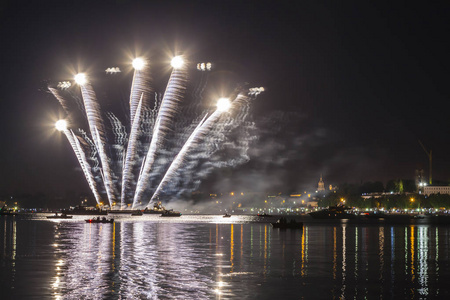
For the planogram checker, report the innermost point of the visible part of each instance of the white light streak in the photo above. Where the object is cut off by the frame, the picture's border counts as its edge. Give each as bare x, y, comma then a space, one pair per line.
98, 133
130, 154
141, 155
169, 107
203, 128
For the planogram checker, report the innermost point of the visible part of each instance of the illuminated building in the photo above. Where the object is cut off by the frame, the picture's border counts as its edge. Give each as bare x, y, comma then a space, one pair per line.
433, 189
320, 185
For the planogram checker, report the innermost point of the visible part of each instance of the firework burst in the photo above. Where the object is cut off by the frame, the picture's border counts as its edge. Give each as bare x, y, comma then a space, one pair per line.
170, 144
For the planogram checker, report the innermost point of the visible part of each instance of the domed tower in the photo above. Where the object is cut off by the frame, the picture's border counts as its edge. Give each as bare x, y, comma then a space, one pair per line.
320, 185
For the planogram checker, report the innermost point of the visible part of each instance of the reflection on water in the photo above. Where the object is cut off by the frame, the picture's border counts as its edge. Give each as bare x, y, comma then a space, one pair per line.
150, 259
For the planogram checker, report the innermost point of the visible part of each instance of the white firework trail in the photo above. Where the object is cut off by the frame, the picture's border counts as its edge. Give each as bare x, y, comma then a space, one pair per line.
105, 173
118, 129
60, 98
214, 139
97, 129
192, 141
79, 152
76, 146
130, 153
167, 151
93, 150
169, 107
141, 86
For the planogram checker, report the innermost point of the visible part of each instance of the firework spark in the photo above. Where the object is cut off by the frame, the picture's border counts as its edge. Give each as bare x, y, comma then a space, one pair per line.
168, 149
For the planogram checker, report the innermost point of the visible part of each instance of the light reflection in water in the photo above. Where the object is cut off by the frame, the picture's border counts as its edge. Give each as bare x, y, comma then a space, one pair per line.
392, 258
356, 259
413, 275
437, 254
265, 249
344, 264
232, 248
217, 236
149, 260
406, 251
8, 255
304, 270
381, 252
334, 253
14, 249
242, 243
422, 251
251, 242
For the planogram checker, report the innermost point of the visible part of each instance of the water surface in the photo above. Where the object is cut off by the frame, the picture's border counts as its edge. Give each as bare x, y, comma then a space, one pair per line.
210, 257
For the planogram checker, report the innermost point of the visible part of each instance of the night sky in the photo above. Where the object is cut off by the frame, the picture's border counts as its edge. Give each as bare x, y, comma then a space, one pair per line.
351, 85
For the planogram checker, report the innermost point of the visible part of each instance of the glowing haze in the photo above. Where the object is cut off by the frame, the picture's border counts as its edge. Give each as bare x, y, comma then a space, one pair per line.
169, 145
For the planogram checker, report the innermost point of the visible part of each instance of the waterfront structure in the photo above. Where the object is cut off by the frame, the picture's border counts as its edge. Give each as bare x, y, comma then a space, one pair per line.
434, 189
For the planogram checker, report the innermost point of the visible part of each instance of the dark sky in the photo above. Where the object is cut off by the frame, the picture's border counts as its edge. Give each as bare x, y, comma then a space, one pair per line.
351, 85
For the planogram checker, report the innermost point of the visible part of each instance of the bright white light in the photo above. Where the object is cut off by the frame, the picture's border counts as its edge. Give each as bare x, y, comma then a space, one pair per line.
256, 91
80, 78
112, 70
223, 104
61, 125
177, 62
204, 66
64, 85
138, 63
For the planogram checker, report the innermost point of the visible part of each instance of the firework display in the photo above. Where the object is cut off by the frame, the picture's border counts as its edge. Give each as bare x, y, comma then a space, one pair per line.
171, 141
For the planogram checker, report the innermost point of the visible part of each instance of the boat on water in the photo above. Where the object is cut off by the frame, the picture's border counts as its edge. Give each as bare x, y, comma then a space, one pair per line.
59, 216
84, 210
264, 215
333, 212
418, 216
171, 213
376, 215
283, 223
137, 213
227, 215
157, 209
98, 220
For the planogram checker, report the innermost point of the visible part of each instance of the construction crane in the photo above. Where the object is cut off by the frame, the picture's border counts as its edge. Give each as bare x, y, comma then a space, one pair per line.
430, 157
